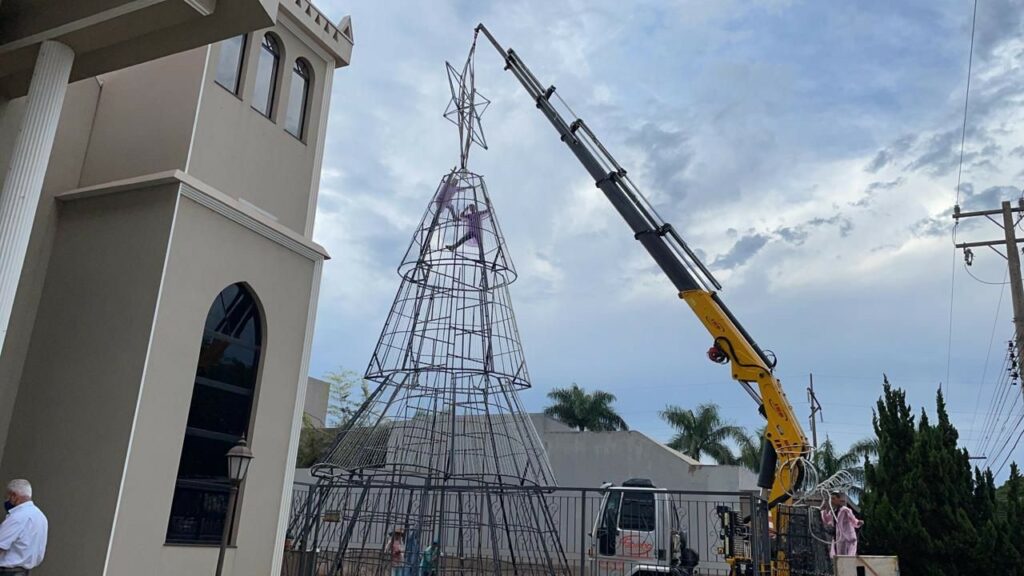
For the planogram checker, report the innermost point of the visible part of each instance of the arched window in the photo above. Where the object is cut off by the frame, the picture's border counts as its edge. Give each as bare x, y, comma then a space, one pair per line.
229, 62
298, 99
222, 399
266, 75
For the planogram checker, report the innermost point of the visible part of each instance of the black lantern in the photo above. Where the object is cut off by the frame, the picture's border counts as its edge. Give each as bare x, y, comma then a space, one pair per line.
239, 458
238, 461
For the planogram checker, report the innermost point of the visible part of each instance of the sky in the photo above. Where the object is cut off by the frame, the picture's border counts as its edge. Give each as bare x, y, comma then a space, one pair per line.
808, 150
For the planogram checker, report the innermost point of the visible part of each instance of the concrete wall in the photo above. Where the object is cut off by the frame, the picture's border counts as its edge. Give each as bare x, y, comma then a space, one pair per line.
144, 120
207, 254
249, 156
65, 165
318, 397
94, 386
590, 458
72, 421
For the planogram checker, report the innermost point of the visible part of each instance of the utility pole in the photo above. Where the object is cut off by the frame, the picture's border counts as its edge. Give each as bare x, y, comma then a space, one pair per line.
1012, 256
815, 409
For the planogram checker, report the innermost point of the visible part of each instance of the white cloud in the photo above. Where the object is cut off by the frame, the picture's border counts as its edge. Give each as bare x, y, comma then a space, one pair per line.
759, 118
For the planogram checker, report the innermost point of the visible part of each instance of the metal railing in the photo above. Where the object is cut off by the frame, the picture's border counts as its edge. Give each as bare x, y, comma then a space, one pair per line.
335, 530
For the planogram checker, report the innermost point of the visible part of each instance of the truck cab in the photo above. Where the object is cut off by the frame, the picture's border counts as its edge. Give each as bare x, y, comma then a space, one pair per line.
637, 532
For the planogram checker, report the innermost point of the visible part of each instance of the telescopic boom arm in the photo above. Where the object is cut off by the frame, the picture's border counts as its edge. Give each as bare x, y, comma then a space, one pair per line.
785, 442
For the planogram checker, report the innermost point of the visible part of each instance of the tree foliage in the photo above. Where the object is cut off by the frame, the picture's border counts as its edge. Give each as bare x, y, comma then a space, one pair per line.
581, 410
313, 442
341, 403
828, 461
703, 433
923, 503
749, 449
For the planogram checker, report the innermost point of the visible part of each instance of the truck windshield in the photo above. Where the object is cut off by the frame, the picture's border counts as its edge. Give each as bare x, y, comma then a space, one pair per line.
637, 511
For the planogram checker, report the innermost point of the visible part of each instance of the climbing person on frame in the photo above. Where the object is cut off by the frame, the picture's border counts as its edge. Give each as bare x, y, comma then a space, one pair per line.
837, 516
443, 200
474, 221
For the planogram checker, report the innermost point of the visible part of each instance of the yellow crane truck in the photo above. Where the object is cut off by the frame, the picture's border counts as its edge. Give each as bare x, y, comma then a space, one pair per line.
786, 448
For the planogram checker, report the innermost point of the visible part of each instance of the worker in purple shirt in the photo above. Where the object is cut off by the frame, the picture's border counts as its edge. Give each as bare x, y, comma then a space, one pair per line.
474, 221
836, 514
23, 531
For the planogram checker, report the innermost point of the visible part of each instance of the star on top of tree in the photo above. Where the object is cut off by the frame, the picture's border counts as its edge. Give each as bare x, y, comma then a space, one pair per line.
466, 106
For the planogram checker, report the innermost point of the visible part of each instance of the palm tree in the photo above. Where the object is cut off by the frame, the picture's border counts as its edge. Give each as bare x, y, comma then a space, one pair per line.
828, 461
578, 409
702, 433
750, 448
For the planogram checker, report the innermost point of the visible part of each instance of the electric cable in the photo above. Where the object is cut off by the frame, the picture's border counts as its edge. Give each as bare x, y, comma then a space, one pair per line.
1010, 453
1009, 416
967, 95
995, 405
968, 270
988, 354
959, 174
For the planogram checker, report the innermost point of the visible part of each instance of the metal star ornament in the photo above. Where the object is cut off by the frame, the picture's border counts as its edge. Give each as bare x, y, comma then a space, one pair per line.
466, 106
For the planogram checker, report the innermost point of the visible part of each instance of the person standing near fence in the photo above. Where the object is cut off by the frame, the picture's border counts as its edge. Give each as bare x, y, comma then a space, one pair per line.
396, 548
428, 561
837, 517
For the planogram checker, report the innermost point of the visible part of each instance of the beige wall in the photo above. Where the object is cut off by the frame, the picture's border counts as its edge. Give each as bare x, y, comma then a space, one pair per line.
62, 174
72, 419
318, 399
249, 156
95, 387
207, 254
144, 120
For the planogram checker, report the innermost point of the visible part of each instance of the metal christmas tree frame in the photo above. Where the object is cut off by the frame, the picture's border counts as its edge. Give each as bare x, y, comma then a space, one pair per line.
442, 451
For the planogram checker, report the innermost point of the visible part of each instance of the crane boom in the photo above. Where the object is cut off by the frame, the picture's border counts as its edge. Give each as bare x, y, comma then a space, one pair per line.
785, 442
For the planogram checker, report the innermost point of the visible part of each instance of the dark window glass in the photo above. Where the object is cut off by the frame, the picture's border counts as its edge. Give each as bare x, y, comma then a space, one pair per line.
197, 514
229, 63
266, 76
607, 531
298, 94
637, 511
227, 361
219, 415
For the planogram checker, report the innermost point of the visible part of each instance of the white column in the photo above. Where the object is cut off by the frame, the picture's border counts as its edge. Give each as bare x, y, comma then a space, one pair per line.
23, 183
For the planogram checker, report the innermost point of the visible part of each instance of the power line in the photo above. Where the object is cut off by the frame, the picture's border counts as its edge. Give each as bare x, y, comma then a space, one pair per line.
996, 405
959, 173
1010, 453
1014, 430
995, 416
988, 354
967, 95
997, 434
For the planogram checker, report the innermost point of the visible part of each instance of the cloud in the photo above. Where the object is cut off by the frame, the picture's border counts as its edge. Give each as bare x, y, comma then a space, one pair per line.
743, 250
989, 198
808, 151
885, 156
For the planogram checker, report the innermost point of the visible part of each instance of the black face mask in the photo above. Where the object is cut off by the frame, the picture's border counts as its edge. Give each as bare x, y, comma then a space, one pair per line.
8, 505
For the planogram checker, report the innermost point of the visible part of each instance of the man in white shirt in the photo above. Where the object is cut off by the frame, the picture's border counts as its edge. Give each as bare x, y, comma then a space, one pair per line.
23, 532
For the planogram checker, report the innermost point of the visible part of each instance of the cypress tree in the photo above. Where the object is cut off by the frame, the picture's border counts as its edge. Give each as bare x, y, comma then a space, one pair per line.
924, 503
892, 520
1011, 526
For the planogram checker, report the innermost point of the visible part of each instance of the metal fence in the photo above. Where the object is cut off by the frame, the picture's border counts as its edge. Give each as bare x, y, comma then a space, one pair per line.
335, 532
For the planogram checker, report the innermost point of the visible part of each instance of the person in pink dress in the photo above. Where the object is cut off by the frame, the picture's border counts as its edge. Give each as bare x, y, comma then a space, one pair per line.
837, 516
396, 550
